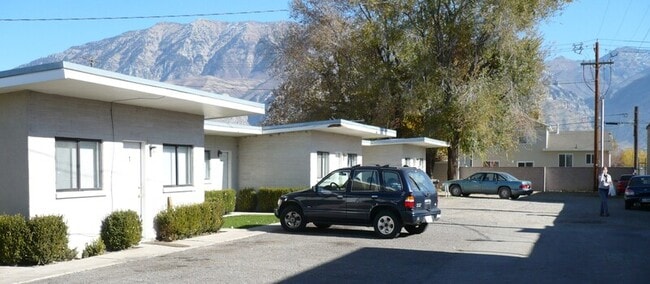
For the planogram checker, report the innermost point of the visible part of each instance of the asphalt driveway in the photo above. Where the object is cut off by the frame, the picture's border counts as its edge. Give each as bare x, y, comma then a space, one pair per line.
543, 238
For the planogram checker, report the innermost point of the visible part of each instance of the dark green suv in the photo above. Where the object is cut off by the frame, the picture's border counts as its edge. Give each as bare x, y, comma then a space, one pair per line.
386, 198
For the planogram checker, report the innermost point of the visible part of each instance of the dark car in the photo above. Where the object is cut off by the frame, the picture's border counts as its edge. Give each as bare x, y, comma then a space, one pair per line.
386, 198
621, 184
501, 183
637, 191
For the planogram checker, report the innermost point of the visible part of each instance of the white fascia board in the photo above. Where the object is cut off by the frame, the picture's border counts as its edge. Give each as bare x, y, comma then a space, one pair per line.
230, 129
338, 126
167, 90
417, 141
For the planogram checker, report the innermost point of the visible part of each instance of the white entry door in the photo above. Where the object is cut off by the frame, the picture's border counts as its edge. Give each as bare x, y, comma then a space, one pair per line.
130, 184
225, 174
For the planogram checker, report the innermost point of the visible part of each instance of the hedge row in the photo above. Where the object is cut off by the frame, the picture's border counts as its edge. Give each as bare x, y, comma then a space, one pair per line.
226, 197
262, 200
188, 221
40, 240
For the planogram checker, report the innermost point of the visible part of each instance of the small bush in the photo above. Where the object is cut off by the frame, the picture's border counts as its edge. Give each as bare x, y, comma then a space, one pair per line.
121, 230
48, 240
13, 233
95, 248
267, 198
226, 197
246, 200
188, 221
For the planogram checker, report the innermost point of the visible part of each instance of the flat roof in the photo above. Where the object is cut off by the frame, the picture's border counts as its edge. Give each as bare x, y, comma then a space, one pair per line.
416, 141
74, 80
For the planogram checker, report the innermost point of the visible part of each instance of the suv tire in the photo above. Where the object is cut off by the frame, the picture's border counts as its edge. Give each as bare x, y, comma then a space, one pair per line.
416, 229
292, 219
386, 225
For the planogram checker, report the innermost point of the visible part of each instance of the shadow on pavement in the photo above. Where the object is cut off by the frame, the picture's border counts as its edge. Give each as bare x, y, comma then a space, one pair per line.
580, 247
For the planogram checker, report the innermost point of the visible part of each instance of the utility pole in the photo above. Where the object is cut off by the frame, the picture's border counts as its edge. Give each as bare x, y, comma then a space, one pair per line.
597, 113
636, 139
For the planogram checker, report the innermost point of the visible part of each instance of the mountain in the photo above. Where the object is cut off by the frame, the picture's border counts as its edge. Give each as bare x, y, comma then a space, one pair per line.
624, 83
220, 57
236, 59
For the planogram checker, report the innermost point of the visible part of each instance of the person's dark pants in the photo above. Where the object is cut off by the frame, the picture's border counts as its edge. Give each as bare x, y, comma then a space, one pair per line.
603, 192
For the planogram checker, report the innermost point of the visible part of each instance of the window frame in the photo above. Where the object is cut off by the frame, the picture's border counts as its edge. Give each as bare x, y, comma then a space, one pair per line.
206, 163
561, 161
589, 158
525, 164
352, 159
322, 164
189, 171
78, 171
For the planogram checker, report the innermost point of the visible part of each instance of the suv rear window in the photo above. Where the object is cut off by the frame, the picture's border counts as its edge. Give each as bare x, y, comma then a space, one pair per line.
418, 180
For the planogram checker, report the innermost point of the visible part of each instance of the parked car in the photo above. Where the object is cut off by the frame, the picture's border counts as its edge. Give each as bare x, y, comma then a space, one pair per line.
501, 183
386, 198
621, 184
637, 191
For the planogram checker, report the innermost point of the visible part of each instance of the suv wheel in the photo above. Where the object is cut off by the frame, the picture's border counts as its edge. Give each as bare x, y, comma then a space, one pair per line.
455, 190
292, 219
386, 225
416, 229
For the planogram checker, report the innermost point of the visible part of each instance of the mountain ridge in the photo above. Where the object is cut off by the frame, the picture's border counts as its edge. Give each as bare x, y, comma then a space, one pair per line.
236, 58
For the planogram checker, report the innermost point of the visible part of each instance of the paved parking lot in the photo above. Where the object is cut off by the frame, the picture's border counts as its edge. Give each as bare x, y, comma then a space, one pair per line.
544, 238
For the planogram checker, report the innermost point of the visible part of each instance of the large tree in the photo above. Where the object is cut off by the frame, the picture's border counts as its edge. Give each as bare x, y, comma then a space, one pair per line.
464, 71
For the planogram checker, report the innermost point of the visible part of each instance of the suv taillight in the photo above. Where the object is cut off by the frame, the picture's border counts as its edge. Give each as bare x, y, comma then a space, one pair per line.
409, 202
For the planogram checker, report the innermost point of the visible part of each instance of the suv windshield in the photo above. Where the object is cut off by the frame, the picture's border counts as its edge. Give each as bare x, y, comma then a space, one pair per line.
421, 181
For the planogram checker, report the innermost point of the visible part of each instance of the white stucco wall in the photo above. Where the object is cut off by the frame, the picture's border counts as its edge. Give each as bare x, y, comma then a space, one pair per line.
394, 155
55, 116
14, 196
289, 159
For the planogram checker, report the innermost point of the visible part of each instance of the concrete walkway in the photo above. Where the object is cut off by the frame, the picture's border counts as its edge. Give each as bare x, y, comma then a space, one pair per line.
24, 274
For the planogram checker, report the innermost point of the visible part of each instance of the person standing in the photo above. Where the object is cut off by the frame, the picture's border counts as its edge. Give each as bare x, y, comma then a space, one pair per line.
604, 181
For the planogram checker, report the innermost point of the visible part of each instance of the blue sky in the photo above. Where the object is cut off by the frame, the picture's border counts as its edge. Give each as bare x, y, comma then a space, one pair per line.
615, 23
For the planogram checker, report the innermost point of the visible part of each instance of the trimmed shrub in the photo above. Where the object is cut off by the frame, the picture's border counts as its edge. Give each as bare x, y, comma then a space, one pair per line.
121, 230
267, 198
13, 232
48, 240
246, 200
226, 197
95, 248
188, 221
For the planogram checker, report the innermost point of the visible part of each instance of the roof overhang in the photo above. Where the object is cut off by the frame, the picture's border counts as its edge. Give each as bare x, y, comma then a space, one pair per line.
416, 141
340, 126
78, 81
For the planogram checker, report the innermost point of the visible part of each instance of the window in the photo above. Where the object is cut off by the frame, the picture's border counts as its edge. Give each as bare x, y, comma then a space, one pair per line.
78, 165
178, 165
352, 159
323, 160
566, 160
524, 164
589, 159
491, 164
365, 180
392, 181
408, 162
206, 160
523, 140
336, 181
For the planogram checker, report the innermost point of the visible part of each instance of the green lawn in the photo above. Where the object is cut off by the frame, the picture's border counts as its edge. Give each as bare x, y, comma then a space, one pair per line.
248, 221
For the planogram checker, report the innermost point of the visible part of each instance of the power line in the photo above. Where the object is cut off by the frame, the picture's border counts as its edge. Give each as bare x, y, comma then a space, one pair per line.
138, 17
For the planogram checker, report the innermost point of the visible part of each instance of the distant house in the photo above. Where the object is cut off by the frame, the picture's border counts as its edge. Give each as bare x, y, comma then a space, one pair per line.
546, 149
82, 143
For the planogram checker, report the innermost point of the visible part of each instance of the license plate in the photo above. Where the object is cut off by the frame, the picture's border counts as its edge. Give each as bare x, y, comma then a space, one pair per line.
428, 219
